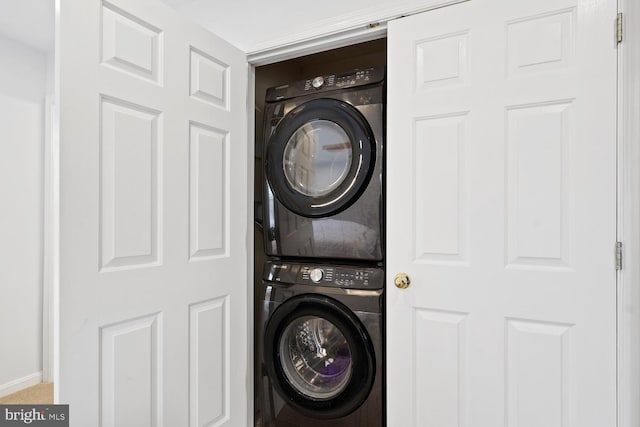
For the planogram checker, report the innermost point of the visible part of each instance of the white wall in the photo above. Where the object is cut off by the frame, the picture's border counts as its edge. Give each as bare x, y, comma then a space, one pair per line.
23, 81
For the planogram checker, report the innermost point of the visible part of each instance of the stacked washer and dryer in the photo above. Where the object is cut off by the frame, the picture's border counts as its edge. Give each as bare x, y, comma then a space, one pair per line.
320, 324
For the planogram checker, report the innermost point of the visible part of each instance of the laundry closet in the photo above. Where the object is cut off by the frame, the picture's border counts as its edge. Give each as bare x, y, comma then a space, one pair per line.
500, 160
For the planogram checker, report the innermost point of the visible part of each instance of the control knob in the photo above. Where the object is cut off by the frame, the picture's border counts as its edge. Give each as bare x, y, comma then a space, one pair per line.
316, 275
318, 82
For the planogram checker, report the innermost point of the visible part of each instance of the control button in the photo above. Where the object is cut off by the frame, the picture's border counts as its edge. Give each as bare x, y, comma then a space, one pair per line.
318, 82
316, 275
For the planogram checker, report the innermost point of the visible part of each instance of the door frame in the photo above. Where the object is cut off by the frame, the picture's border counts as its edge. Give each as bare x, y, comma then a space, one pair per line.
51, 231
629, 216
250, 238
353, 29
351, 32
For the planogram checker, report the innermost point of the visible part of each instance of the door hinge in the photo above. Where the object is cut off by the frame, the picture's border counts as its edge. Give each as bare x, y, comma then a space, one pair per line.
618, 255
619, 28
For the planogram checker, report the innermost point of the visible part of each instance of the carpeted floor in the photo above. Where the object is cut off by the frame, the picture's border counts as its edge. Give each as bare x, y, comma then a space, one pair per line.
39, 394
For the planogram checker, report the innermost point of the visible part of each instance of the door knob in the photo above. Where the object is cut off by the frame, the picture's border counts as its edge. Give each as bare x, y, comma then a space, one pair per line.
402, 281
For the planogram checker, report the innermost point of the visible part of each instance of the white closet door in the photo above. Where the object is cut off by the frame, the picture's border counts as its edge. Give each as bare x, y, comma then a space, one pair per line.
502, 211
153, 223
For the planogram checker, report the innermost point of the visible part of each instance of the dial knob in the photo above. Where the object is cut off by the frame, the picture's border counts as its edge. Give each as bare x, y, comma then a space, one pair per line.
316, 275
318, 82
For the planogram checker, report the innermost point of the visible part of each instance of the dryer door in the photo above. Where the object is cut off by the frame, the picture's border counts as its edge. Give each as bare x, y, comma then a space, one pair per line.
319, 356
320, 157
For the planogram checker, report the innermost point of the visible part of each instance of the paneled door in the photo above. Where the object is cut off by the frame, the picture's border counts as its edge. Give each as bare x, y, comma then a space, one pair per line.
153, 223
502, 212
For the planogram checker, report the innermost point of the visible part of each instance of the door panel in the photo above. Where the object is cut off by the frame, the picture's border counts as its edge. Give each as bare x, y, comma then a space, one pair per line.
153, 187
501, 209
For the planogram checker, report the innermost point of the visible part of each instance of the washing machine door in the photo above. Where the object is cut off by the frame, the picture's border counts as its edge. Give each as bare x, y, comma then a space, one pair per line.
320, 157
319, 356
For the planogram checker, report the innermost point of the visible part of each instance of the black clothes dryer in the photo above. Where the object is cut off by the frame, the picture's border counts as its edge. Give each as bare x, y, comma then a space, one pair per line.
321, 346
323, 165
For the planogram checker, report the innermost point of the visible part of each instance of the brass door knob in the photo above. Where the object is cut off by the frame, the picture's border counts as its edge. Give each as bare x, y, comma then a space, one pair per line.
402, 281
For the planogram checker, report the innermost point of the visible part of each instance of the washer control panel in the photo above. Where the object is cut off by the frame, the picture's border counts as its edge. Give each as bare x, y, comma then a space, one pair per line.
351, 277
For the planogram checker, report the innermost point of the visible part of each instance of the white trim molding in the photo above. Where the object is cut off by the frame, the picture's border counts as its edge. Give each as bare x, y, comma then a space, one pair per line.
629, 216
20, 383
50, 241
365, 25
54, 290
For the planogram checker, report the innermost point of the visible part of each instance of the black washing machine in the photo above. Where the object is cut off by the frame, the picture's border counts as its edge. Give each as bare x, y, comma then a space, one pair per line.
323, 165
320, 346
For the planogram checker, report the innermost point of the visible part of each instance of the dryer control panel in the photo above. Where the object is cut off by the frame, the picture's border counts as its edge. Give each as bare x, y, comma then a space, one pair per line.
325, 83
351, 277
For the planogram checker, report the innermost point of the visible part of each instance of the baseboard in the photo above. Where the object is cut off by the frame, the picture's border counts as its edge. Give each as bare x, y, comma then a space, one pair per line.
24, 382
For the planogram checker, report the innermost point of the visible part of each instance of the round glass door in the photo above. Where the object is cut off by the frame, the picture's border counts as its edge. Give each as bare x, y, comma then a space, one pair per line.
319, 356
315, 357
317, 158
320, 157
